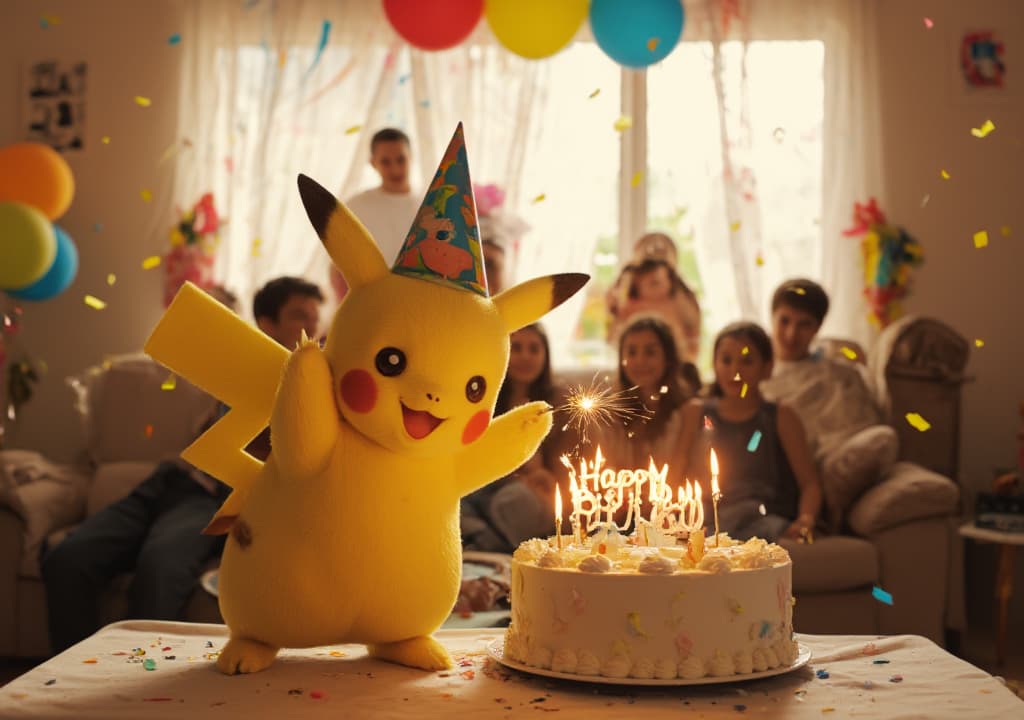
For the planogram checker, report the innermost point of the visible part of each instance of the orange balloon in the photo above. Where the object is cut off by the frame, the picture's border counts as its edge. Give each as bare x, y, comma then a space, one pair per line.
36, 175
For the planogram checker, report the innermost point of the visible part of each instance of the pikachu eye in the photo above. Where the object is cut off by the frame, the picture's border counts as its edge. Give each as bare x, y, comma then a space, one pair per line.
390, 362
475, 388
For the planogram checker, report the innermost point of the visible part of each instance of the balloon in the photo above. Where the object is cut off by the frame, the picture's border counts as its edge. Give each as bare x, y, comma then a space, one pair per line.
58, 277
636, 33
434, 24
535, 28
36, 174
27, 245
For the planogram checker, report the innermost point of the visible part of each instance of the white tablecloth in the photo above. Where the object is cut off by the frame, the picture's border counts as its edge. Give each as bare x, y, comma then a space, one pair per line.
102, 677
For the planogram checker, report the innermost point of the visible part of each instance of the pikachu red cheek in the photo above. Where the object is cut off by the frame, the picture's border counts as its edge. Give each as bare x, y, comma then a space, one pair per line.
359, 391
475, 427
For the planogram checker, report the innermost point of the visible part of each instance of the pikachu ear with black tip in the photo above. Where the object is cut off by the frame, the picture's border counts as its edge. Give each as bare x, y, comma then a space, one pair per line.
349, 244
529, 301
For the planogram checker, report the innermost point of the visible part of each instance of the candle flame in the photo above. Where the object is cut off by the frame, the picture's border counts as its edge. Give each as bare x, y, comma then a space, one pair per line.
714, 463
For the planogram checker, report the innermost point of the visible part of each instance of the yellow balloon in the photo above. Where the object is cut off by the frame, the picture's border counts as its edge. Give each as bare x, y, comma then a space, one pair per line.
36, 175
535, 28
28, 245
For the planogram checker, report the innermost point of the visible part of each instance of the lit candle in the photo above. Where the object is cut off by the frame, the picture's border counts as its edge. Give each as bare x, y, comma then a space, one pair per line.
558, 515
715, 492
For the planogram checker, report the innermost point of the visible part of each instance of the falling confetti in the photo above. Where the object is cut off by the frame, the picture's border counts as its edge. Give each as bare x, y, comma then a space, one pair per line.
799, 291
881, 595
105, 139
929, 23
94, 302
763, 511
981, 239
174, 39
745, 350
111, 278
47, 20
51, 681
979, 343
146, 195
591, 96
880, 661
90, 661
625, 122
1005, 231
896, 679
149, 664
984, 130
637, 177
142, 101
169, 383
652, 44
743, 391
759, 260
849, 353
325, 34
755, 440
539, 198
822, 674
149, 433
925, 199
352, 130
257, 243
945, 175
733, 227
917, 422
151, 262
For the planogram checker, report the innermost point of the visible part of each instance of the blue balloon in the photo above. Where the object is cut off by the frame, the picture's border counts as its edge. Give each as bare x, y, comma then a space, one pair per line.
636, 33
57, 279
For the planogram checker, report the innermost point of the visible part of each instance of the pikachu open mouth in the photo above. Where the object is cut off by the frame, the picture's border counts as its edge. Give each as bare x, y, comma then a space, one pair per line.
419, 423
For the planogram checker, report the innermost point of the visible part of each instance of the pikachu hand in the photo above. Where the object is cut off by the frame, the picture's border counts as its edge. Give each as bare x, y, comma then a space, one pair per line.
532, 421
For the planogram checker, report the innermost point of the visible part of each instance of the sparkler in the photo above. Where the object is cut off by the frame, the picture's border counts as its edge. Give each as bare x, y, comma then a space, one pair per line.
599, 403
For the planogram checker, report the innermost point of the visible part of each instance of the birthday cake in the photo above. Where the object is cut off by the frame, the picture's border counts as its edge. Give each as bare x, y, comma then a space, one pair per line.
603, 605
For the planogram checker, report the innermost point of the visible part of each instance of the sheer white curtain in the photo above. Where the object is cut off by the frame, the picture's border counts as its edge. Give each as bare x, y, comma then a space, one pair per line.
262, 102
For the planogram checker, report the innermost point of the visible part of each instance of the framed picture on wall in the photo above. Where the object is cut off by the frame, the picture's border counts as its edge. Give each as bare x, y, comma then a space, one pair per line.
54, 104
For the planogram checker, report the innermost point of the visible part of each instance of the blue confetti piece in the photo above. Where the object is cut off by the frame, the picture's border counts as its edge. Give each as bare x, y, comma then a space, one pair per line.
881, 595
174, 39
822, 674
766, 627
424, 103
325, 34
98, 227
755, 440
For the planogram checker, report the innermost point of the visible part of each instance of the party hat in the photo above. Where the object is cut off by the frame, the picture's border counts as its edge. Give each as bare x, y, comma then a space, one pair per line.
443, 244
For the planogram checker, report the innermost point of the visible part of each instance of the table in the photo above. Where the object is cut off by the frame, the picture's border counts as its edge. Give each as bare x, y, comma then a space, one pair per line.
1007, 551
101, 678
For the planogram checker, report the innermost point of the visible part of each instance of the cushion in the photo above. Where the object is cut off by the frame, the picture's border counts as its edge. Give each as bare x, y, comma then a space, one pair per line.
909, 492
114, 481
45, 495
832, 564
855, 465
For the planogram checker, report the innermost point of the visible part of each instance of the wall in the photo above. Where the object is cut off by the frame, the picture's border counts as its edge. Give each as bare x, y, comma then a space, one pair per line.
126, 45
927, 123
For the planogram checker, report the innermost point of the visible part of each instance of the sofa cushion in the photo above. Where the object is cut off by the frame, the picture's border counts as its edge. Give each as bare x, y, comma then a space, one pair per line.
114, 481
856, 465
908, 492
832, 563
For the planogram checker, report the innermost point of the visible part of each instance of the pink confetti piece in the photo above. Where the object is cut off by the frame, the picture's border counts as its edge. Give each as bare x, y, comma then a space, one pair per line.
929, 23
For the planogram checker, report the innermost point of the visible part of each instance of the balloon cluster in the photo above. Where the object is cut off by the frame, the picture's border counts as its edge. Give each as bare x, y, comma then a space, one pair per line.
633, 33
889, 253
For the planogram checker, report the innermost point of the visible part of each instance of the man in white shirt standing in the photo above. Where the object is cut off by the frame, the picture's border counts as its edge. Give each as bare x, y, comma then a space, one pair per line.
389, 209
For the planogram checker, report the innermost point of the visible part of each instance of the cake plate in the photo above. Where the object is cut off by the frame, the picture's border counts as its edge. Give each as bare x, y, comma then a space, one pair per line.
496, 650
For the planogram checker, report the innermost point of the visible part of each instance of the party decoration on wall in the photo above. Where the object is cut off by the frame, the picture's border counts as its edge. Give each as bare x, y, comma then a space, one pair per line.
193, 245
363, 429
638, 33
981, 60
36, 175
29, 245
535, 28
889, 254
433, 24
57, 279
54, 111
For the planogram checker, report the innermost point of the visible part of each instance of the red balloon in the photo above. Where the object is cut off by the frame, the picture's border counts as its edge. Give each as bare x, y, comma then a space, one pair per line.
434, 24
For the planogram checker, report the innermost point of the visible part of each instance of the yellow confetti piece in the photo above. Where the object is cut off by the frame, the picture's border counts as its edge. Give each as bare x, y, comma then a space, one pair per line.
652, 44
945, 175
50, 20
94, 302
151, 262
539, 198
111, 278
981, 239
743, 391
336, 653
353, 129
625, 122
143, 101
257, 243
733, 227
849, 353
759, 260
745, 350
170, 383
979, 343
1005, 231
917, 422
984, 130
637, 177
282, 58
105, 139
149, 431
799, 291
90, 661
591, 96
146, 195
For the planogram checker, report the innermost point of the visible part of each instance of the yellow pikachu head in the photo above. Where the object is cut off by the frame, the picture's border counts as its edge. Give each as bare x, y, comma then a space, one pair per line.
417, 362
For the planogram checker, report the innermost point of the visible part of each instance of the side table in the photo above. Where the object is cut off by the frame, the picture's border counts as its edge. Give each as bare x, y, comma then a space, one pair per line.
1006, 553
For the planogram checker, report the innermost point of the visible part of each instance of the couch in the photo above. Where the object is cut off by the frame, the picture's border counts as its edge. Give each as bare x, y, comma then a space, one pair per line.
899, 535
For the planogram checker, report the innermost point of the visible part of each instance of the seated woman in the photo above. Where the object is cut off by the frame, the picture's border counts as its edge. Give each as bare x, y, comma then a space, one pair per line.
769, 485
499, 516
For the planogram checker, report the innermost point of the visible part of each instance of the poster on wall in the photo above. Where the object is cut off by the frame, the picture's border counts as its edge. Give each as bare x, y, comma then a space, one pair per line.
54, 104
982, 71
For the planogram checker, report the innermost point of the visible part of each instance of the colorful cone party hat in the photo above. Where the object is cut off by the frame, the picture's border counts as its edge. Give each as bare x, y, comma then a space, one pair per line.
443, 244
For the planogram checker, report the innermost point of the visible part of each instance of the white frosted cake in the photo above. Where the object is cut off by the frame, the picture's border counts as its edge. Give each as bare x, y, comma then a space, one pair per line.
607, 607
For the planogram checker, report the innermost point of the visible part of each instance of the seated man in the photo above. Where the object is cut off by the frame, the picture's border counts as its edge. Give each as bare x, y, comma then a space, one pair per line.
844, 426
156, 531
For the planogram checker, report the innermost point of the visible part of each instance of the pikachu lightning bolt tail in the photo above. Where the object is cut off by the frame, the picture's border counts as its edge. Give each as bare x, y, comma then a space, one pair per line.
204, 342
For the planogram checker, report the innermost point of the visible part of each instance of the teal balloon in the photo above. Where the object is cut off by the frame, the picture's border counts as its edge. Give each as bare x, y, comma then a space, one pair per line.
57, 279
637, 33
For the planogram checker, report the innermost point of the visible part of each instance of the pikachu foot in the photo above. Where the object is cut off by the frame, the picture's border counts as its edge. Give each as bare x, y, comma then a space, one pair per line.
422, 652
241, 655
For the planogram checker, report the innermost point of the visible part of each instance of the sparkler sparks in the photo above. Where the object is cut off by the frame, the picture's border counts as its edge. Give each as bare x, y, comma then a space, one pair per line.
599, 403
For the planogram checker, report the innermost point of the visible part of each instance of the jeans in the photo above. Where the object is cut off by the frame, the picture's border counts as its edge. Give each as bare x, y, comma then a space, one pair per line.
155, 532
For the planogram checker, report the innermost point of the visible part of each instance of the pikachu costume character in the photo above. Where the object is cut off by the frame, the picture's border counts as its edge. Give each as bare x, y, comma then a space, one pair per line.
349, 533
